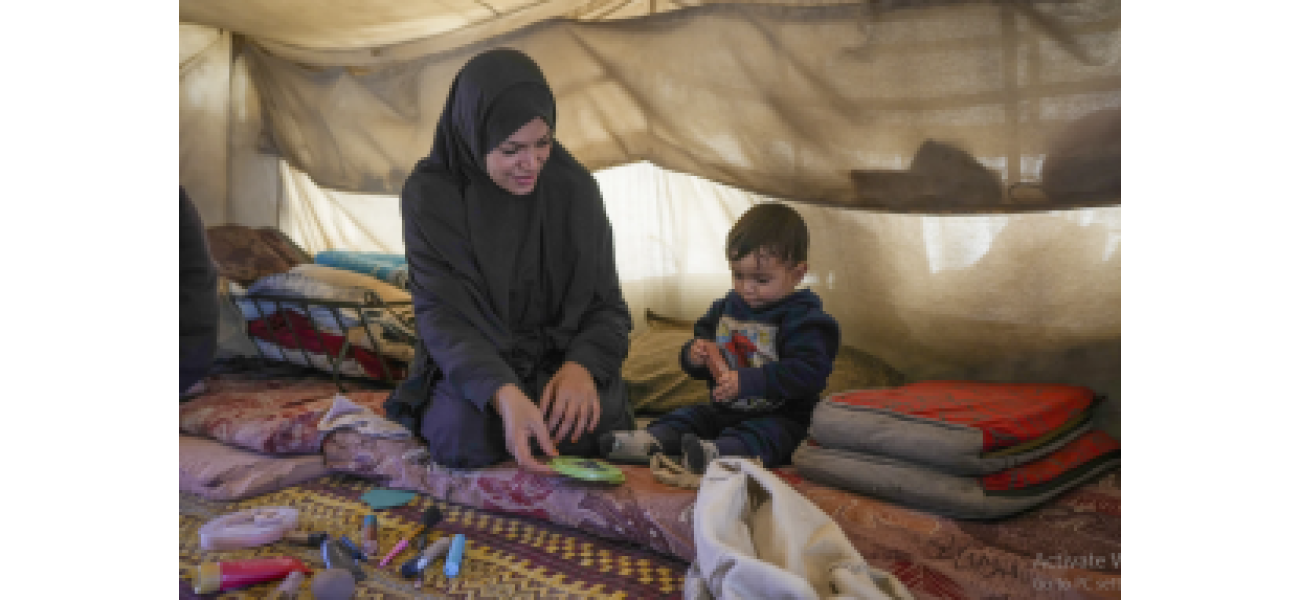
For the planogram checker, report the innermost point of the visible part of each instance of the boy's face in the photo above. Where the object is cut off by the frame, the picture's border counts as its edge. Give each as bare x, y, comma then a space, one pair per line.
762, 279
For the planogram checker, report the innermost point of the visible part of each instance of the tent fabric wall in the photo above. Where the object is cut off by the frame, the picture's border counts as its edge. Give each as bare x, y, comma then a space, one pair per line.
318, 218
224, 163
204, 118
254, 184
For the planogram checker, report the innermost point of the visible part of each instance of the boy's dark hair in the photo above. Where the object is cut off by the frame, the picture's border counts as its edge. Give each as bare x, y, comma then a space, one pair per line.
775, 228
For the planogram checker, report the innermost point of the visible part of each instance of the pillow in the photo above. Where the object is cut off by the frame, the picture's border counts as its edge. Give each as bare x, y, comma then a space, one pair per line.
656, 383
345, 278
269, 419
243, 254
298, 285
216, 471
989, 496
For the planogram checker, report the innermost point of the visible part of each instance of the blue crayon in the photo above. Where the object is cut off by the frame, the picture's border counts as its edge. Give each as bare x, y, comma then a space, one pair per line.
352, 547
452, 568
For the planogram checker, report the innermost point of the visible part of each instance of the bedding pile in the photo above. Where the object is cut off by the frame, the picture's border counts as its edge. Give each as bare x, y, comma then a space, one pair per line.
967, 450
354, 319
371, 336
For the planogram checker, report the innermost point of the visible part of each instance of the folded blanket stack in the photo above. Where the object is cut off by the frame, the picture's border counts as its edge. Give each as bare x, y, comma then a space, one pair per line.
958, 448
389, 268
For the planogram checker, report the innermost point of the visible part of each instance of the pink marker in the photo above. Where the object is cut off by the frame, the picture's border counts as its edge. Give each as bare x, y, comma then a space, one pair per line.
394, 552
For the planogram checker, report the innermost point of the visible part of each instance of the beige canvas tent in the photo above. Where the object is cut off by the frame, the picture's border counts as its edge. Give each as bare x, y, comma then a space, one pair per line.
307, 116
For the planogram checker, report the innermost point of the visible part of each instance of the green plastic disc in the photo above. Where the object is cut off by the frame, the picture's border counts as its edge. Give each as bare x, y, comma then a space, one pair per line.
587, 469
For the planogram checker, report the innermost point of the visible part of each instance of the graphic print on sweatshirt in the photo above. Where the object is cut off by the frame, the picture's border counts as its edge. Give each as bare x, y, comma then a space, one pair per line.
747, 344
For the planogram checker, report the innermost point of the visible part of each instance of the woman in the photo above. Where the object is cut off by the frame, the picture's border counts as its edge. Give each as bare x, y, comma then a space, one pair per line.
515, 291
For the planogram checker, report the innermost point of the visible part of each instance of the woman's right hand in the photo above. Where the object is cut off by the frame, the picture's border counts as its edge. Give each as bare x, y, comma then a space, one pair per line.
523, 420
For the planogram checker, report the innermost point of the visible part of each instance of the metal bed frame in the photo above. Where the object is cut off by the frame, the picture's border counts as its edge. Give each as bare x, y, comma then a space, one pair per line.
305, 306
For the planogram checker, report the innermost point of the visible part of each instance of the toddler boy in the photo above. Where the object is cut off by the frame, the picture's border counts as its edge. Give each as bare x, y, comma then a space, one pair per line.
779, 346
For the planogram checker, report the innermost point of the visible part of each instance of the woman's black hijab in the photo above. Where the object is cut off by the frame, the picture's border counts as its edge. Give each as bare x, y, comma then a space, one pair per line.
463, 257
495, 94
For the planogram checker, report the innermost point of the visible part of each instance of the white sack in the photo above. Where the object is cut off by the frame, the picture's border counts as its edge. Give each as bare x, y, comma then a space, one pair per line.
755, 537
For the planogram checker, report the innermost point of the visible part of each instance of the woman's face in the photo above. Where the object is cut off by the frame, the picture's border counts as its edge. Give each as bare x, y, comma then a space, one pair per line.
517, 162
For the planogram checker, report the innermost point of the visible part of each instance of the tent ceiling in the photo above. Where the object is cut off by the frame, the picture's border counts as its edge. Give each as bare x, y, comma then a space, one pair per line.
363, 24
779, 100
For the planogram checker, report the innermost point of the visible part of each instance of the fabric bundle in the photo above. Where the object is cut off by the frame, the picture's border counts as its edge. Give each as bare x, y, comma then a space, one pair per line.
389, 268
756, 537
963, 449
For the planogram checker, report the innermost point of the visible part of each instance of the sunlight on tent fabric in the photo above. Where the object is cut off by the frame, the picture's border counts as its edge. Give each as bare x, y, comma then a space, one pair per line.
670, 234
958, 242
320, 219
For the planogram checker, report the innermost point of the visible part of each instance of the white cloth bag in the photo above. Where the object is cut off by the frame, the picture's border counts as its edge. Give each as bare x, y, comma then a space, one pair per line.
755, 537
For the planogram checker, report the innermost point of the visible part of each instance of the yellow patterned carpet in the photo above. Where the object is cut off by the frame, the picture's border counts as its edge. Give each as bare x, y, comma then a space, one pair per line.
506, 557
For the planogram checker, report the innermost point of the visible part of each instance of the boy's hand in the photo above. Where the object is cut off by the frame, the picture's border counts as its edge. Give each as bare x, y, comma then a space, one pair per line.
697, 356
728, 387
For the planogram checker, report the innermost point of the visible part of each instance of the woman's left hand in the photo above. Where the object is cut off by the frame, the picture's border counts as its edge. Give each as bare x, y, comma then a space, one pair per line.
570, 402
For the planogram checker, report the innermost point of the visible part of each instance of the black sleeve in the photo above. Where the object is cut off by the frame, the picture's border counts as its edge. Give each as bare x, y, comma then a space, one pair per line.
602, 341
706, 328
447, 306
199, 307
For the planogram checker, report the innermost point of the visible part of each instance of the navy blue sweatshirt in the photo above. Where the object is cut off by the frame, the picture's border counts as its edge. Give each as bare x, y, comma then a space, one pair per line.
782, 352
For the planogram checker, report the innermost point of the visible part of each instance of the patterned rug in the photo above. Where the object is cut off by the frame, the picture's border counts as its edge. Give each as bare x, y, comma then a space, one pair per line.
506, 557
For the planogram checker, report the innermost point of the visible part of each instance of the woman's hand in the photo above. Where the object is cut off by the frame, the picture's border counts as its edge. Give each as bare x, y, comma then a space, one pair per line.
728, 387
696, 356
522, 421
570, 402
